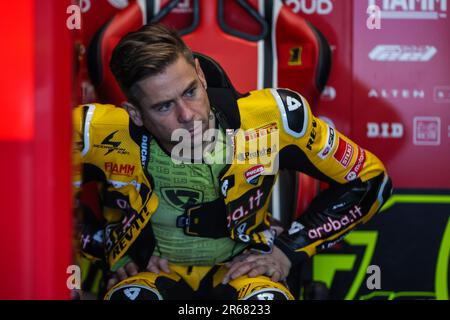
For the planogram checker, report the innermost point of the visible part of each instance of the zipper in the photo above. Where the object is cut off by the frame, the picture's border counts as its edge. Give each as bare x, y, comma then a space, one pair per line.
216, 186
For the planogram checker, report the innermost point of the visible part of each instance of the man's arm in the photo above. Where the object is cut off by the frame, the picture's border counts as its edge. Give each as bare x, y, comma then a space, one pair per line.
359, 184
91, 210
88, 210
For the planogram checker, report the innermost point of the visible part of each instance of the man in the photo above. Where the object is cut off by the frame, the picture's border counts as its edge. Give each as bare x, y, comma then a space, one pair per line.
189, 218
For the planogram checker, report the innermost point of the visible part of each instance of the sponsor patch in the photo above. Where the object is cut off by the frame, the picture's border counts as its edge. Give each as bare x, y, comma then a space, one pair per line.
325, 152
110, 145
331, 226
402, 53
312, 135
261, 154
357, 167
122, 169
252, 174
260, 132
427, 131
343, 153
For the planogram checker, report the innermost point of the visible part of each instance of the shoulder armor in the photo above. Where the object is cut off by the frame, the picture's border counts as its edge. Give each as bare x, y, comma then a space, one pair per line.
294, 111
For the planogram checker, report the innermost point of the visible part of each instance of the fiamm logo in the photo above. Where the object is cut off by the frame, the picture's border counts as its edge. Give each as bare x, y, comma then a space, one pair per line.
411, 9
123, 169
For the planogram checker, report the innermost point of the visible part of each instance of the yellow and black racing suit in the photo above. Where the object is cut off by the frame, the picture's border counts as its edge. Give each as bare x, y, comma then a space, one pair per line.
274, 124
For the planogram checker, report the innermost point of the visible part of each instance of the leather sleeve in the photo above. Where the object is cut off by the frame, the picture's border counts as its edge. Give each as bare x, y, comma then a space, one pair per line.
359, 184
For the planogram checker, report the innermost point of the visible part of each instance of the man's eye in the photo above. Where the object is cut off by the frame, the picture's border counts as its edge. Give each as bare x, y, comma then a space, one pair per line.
163, 107
191, 92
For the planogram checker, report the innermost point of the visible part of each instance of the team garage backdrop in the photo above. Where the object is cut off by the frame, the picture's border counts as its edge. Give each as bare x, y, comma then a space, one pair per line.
388, 90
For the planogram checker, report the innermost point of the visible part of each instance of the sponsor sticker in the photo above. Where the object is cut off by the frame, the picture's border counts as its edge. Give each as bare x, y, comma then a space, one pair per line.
411, 9
252, 174
122, 169
343, 153
357, 167
442, 94
402, 53
260, 132
335, 225
325, 152
427, 131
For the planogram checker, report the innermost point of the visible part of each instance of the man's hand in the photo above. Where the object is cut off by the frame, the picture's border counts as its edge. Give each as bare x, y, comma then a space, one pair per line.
158, 264
129, 270
155, 265
274, 265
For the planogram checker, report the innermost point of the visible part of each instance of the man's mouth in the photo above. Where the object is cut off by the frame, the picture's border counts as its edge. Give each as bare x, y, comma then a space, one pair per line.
196, 129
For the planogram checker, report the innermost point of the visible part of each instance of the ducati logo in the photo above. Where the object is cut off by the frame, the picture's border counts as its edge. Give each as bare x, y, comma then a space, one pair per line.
252, 174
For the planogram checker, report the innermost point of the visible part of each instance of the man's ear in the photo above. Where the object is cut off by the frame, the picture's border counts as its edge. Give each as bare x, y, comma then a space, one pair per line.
200, 73
134, 113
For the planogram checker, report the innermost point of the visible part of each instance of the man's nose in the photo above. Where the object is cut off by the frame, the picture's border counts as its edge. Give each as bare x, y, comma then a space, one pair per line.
185, 113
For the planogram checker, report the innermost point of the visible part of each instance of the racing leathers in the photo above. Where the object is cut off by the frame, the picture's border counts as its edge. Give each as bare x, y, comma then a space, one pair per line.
267, 130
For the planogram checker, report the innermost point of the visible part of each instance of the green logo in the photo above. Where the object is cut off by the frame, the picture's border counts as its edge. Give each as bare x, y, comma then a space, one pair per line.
180, 197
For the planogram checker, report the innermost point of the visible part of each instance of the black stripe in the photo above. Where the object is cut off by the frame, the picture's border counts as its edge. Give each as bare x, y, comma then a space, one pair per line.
149, 5
237, 33
167, 9
324, 62
94, 55
268, 55
293, 158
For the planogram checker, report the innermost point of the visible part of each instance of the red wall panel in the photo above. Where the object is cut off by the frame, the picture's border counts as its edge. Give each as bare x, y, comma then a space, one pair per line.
401, 66
389, 88
35, 145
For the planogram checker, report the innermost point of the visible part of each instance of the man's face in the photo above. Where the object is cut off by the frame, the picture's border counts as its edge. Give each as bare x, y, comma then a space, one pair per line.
173, 99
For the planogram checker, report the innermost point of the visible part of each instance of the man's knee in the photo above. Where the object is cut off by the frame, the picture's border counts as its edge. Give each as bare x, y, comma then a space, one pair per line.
139, 287
268, 294
260, 288
133, 292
